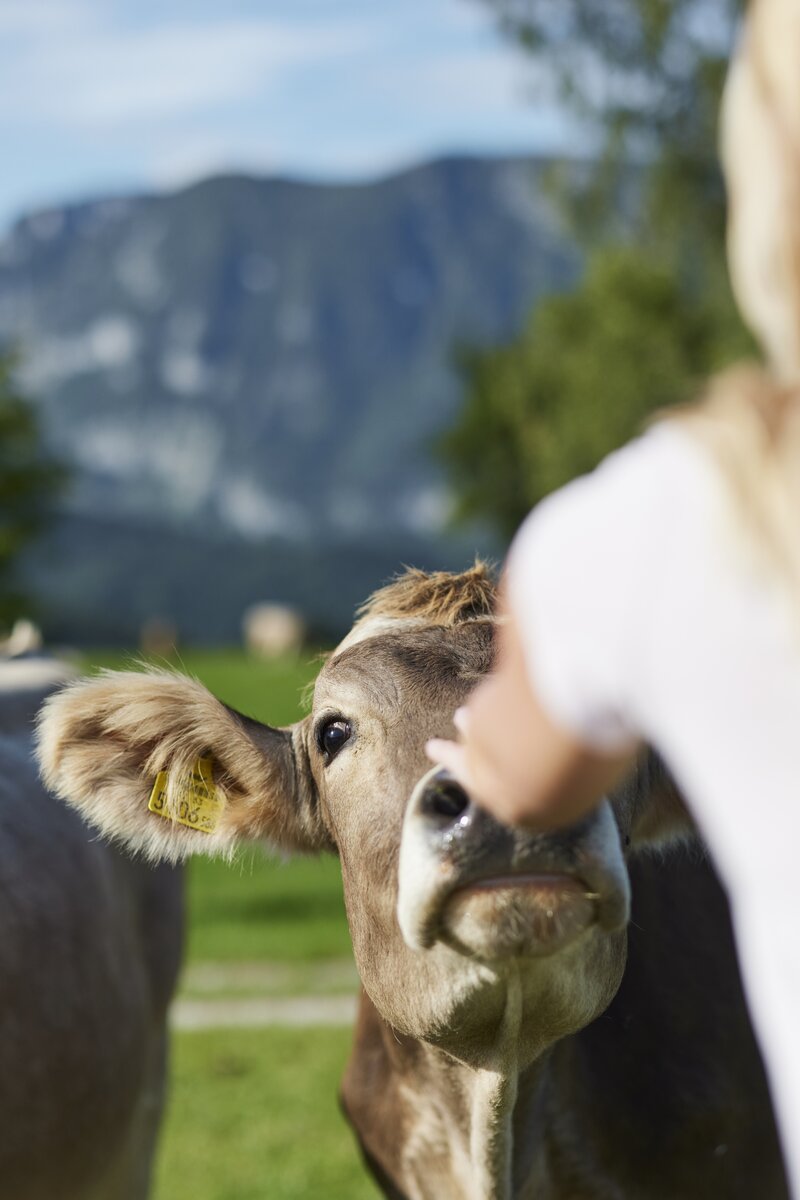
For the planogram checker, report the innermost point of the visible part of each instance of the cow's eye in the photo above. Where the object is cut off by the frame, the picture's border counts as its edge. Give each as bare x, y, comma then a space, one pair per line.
332, 736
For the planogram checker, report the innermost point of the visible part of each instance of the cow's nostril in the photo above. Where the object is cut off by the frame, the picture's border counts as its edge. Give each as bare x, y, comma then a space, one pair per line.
445, 800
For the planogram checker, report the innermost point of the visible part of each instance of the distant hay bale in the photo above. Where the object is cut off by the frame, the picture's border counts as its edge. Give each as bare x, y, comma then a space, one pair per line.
25, 638
270, 630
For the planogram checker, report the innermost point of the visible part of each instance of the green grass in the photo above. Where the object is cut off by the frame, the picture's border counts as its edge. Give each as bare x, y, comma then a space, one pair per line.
266, 910
257, 908
270, 691
254, 1116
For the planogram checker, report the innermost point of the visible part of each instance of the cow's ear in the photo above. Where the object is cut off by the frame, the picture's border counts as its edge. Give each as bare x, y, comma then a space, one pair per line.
153, 760
658, 813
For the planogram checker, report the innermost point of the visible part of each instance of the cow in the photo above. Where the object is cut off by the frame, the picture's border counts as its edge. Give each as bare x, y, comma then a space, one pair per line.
553, 1016
90, 943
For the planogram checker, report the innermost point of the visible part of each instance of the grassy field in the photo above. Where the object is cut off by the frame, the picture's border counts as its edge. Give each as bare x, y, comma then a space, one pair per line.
253, 1116
253, 1113
270, 691
260, 908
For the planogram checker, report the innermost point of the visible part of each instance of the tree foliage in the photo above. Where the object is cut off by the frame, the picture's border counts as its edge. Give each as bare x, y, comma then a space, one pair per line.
583, 377
652, 316
645, 77
28, 481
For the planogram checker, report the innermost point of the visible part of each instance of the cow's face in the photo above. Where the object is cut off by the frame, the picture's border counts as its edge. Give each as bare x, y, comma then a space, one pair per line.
448, 910
461, 928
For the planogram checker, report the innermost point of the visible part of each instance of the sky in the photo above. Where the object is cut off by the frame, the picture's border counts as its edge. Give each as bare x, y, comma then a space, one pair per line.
109, 96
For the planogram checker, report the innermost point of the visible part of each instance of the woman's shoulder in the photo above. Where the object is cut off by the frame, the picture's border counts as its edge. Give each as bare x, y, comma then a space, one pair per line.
635, 502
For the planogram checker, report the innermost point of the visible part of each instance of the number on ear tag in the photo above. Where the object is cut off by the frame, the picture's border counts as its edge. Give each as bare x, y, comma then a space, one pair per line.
198, 804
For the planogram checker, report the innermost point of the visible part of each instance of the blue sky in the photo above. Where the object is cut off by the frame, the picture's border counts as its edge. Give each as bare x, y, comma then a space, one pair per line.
106, 95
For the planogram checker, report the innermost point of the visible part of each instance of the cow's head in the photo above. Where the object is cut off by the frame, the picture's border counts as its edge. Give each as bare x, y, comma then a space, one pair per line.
448, 911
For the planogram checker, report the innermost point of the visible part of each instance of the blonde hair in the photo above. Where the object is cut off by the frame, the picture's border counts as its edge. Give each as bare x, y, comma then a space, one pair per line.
750, 416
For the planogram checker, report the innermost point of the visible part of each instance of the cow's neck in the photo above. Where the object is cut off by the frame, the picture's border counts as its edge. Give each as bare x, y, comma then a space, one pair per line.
441, 1128
491, 1139
493, 1096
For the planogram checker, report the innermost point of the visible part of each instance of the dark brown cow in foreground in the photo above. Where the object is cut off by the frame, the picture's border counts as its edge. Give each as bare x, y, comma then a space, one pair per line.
90, 945
504, 1047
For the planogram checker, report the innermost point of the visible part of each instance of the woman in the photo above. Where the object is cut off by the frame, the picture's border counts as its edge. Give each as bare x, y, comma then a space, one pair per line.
659, 598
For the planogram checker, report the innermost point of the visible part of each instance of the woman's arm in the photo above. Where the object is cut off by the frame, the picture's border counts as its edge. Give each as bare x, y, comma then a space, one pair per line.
513, 759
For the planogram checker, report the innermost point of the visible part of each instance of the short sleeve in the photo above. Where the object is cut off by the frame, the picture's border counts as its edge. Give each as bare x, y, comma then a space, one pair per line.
580, 570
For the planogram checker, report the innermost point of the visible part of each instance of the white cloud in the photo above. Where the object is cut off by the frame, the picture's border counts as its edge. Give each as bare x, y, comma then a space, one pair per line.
467, 93
101, 77
469, 17
45, 18
464, 80
107, 96
182, 159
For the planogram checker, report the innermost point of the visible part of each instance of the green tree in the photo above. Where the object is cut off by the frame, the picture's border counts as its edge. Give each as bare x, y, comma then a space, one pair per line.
653, 315
644, 78
29, 479
581, 379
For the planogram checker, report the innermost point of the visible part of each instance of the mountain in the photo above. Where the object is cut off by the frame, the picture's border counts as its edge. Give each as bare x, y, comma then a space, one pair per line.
253, 372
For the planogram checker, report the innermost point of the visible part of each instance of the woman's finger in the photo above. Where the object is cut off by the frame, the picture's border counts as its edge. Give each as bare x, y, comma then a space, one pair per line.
450, 755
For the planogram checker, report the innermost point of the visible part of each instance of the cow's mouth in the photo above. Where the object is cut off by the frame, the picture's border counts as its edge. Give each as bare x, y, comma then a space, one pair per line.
528, 915
490, 892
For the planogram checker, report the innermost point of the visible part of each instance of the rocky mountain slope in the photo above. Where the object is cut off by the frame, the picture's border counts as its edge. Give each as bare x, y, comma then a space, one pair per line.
248, 376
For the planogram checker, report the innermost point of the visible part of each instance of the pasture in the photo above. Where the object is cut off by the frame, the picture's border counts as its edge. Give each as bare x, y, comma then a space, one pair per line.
253, 1112
253, 1116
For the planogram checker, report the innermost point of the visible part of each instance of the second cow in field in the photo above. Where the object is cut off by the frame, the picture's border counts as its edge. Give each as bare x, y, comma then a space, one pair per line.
90, 946
517, 1036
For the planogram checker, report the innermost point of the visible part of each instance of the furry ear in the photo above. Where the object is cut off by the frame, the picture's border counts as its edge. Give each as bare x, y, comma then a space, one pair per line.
104, 742
659, 817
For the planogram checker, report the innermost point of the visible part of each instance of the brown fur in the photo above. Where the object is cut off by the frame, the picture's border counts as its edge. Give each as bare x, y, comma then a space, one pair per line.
438, 597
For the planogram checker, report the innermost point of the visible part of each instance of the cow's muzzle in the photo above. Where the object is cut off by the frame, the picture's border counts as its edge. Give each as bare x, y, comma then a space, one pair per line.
492, 892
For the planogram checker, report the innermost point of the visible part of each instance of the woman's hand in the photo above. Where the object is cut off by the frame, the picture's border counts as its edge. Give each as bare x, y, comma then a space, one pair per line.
513, 760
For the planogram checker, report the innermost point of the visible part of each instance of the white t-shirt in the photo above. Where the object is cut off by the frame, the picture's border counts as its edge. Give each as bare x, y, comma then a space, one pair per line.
645, 615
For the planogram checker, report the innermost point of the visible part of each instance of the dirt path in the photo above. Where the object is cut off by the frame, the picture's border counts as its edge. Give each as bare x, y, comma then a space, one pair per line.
253, 1012
252, 994
209, 978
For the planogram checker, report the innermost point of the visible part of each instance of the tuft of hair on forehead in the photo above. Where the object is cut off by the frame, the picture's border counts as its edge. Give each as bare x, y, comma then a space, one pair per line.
440, 597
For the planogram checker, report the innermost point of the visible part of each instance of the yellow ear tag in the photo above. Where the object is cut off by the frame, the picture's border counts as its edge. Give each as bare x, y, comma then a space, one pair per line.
199, 805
